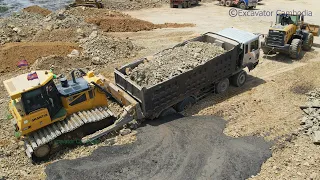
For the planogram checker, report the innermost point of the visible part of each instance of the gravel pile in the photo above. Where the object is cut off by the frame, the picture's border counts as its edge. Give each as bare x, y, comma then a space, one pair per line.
24, 26
172, 62
311, 120
104, 49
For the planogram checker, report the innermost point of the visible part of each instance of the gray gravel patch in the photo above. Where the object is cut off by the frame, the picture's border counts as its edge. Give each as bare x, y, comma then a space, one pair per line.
172, 148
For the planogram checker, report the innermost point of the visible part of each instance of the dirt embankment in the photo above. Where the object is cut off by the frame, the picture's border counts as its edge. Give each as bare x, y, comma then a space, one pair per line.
11, 53
171, 148
38, 10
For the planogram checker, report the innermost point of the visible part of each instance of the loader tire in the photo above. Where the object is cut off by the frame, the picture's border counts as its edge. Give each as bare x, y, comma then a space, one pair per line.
295, 49
308, 42
239, 79
222, 2
222, 86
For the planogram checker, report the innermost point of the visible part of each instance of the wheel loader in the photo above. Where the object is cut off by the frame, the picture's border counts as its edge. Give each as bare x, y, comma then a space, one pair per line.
47, 111
290, 35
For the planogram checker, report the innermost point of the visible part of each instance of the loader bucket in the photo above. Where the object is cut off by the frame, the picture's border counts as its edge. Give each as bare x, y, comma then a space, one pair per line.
314, 29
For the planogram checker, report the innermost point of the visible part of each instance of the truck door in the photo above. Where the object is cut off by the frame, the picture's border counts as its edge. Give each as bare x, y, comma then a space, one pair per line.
251, 52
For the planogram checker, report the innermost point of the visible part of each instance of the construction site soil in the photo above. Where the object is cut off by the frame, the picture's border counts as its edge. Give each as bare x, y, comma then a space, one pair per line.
12, 53
38, 10
172, 148
172, 62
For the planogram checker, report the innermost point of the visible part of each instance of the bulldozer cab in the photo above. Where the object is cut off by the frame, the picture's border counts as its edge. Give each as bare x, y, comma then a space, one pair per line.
46, 96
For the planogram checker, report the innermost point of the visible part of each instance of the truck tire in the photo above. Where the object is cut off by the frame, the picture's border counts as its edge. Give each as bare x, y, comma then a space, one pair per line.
295, 49
228, 3
186, 103
167, 112
171, 5
222, 86
243, 6
308, 42
239, 79
185, 5
189, 4
222, 2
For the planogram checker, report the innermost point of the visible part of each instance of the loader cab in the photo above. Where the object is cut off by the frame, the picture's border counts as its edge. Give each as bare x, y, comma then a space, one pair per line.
287, 19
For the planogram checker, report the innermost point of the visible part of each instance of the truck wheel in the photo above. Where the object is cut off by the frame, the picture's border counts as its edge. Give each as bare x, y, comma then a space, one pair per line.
222, 2
222, 86
239, 79
167, 112
228, 3
295, 49
243, 6
184, 5
189, 4
185, 104
171, 5
42, 152
308, 42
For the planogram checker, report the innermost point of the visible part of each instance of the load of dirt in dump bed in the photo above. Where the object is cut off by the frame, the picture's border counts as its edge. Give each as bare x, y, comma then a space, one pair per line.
171, 148
12, 53
172, 62
38, 10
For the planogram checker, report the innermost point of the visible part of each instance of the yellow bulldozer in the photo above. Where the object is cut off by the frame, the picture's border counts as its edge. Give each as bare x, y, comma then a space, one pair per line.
290, 35
46, 113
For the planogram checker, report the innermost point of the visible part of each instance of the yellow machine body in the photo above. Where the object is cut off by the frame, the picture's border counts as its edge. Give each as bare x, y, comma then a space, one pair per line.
27, 122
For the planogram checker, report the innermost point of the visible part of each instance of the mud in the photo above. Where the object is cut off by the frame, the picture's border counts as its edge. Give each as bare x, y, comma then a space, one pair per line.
171, 148
172, 62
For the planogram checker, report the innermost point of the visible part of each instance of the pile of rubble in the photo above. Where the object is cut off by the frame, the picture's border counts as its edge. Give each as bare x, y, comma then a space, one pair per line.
25, 26
105, 49
311, 120
172, 62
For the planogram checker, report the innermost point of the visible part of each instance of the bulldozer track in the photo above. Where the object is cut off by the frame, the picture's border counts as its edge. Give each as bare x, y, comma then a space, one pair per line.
74, 121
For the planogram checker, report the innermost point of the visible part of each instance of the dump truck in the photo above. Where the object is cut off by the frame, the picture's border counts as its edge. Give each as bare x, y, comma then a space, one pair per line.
183, 3
47, 112
290, 35
243, 4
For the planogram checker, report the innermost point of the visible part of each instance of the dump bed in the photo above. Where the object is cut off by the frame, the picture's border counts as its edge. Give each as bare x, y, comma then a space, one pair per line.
153, 100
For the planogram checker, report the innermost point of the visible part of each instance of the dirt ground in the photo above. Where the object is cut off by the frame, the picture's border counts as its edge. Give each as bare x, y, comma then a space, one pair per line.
268, 105
12, 53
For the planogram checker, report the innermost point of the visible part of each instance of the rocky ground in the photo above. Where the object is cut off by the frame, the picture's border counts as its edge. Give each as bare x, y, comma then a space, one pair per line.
172, 62
268, 105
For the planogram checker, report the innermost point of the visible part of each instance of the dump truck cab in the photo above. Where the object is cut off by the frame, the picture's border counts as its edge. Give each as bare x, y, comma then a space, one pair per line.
249, 43
40, 102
